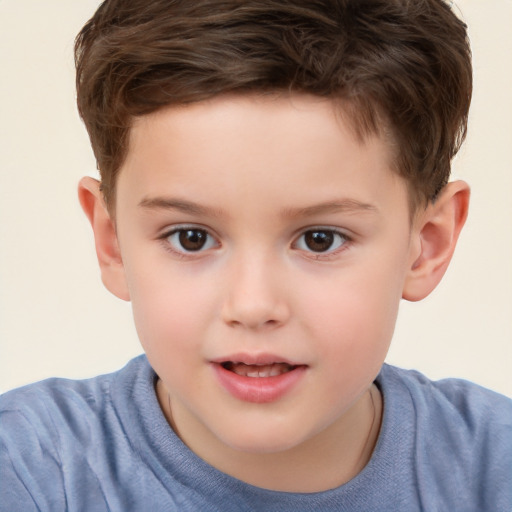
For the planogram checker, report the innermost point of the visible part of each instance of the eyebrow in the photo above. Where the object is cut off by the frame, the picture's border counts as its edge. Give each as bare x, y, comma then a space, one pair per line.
181, 205
337, 206
184, 206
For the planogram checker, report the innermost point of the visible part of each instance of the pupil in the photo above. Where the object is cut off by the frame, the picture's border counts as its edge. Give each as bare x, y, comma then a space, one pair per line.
192, 239
319, 241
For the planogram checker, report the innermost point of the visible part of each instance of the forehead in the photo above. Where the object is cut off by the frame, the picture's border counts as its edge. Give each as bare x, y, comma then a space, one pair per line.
297, 146
251, 111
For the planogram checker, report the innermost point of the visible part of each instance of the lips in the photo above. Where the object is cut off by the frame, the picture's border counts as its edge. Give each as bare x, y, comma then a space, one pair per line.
260, 379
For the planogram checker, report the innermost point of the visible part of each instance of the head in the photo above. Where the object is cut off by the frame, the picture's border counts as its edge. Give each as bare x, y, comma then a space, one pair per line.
260, 162
398, 68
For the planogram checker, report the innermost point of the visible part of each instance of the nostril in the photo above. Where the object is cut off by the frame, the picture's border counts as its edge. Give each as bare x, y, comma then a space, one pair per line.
254, 323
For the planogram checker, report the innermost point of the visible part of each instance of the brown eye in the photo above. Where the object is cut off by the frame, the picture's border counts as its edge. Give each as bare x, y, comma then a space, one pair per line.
193, 239
190, 240
321, 240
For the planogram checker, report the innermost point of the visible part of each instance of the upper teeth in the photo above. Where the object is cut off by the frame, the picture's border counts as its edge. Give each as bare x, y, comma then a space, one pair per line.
254, 370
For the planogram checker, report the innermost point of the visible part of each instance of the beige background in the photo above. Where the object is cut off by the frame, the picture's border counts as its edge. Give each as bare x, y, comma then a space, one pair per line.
57, 319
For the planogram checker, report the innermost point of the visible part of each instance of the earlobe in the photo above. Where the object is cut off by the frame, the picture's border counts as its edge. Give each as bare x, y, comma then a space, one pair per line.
434, 237
105, 237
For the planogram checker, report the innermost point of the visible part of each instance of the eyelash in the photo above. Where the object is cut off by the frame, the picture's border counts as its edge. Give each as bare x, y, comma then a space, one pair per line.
342, 243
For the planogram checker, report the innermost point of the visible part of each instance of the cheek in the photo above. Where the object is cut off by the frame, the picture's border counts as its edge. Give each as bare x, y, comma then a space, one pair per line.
168, 309
356, 314
170, 319
352, 341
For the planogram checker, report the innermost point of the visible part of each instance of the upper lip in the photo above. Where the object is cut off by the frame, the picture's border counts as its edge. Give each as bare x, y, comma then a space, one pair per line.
256, 359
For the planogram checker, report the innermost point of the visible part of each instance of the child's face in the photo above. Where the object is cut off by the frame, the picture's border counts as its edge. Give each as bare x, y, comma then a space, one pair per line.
258, 231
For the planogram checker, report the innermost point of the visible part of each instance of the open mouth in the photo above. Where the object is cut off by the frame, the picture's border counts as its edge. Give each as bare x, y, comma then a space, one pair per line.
260, 379
258, 370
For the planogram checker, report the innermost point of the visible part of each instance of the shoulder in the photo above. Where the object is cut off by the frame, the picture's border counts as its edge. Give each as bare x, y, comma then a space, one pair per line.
46, 397
58, 408
52, 401
459, 400
52, 425
461, 437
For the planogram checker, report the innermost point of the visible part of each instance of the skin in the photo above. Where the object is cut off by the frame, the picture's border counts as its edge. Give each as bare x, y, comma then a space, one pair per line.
257, 176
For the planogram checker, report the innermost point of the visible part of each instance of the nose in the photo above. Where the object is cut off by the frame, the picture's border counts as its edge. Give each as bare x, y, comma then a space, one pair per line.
256, 297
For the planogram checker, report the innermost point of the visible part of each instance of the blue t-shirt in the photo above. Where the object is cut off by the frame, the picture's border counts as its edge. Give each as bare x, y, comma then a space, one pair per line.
103, 444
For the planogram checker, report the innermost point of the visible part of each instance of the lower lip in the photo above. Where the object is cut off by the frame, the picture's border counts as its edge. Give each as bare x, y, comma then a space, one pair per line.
258, 389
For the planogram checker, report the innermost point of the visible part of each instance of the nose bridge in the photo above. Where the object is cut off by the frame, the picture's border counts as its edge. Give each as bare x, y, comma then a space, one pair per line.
256, 297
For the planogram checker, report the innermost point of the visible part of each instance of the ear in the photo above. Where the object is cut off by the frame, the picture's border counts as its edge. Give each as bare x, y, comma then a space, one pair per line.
107, 246
434, 237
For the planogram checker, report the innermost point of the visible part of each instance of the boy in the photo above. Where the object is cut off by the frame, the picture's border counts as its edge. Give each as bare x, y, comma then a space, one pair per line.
274, 179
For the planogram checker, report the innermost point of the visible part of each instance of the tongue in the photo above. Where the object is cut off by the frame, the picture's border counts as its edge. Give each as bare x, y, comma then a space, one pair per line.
253, 370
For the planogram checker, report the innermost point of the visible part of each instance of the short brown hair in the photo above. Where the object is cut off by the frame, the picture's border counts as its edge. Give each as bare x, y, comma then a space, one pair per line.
406, 63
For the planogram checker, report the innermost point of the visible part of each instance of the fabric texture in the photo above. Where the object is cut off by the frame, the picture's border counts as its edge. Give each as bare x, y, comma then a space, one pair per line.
103, 444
